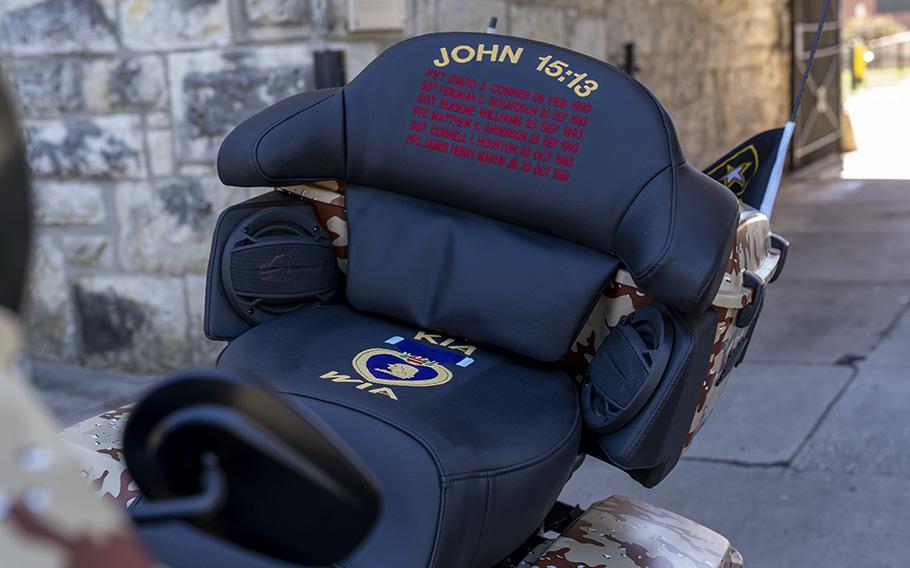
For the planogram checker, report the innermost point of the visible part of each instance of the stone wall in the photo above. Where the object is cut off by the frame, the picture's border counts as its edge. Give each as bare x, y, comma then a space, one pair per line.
125, 103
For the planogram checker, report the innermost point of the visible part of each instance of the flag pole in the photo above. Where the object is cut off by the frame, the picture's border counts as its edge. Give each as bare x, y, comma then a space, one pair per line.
777, 172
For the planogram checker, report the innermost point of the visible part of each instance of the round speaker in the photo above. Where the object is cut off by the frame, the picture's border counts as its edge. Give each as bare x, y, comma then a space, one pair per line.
276, 261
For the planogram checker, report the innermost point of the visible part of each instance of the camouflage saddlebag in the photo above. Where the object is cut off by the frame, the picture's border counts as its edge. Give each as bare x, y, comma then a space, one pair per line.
651, 375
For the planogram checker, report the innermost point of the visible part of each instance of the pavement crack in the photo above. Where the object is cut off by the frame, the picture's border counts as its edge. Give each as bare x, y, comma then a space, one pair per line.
737, 463
834, 400
851, 360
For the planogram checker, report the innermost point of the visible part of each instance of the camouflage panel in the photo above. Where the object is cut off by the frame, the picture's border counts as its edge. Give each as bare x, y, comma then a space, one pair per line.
97, 445
620, 299
751, 251
622, 532
327, 199
48, 517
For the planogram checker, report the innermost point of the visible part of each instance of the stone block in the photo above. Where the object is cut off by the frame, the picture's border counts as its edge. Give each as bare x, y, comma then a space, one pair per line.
357, 54
198, 170
588, 35
213, 91
136, 323
49, 316
423, 17
46, 86
166, 225
263, 20
68, 203
160, 145
174, 24
585, 5
125, 83
543, 23
472, 15
158, 119
631, 21
88, 251
103, 146
205, 351
281, 12
30, 27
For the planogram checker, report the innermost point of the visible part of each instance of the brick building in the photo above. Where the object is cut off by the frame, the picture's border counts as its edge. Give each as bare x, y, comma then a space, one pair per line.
124, 104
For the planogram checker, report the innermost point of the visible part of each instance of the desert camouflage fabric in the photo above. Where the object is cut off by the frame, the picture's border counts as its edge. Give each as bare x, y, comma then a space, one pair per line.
621, 532
751, 251
48, 517
620, 299
97, 445
327, 199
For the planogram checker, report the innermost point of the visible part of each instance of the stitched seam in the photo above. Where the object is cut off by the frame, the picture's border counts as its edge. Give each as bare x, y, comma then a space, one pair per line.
632, 200
667, 133
483, 521
673, 207
381, 417
442, 477
344, 132
490, 473
255, 147
708, 277
210, 283
440, 523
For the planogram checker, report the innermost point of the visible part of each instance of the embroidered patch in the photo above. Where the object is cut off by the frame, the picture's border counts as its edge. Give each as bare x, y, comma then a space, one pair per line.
414, 364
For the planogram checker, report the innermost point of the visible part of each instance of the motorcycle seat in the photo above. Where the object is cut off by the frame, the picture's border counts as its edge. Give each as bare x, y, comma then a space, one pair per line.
471, 446
469, 274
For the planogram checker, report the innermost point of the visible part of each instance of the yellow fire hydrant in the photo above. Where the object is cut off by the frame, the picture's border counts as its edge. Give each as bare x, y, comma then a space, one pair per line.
862, 56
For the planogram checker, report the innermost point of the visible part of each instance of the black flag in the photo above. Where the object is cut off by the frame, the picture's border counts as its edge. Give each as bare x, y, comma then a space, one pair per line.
746, 169
753, 170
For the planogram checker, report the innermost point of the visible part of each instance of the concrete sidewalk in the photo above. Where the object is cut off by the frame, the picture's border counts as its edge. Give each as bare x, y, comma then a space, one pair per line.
806, 461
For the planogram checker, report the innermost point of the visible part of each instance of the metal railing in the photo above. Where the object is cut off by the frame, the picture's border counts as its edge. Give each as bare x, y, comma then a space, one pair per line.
888, 53
891, 52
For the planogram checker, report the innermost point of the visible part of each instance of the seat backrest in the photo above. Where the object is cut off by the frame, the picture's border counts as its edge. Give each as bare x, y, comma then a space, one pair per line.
493, 185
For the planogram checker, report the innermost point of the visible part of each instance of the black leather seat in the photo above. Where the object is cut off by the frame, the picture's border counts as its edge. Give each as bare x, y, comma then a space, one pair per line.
471, 450
471, 447
472, 439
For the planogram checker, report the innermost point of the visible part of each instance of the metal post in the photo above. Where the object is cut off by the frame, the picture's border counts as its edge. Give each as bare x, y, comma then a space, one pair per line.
329, 68
629, 65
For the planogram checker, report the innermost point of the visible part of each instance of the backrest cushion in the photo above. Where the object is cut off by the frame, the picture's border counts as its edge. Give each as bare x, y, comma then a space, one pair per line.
470, 276
516, 130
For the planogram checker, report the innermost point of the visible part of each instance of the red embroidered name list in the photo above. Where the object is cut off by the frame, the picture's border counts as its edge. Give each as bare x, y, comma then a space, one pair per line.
498, 124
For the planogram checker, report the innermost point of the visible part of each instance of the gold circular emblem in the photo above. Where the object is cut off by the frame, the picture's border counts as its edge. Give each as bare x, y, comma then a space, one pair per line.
388, 367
